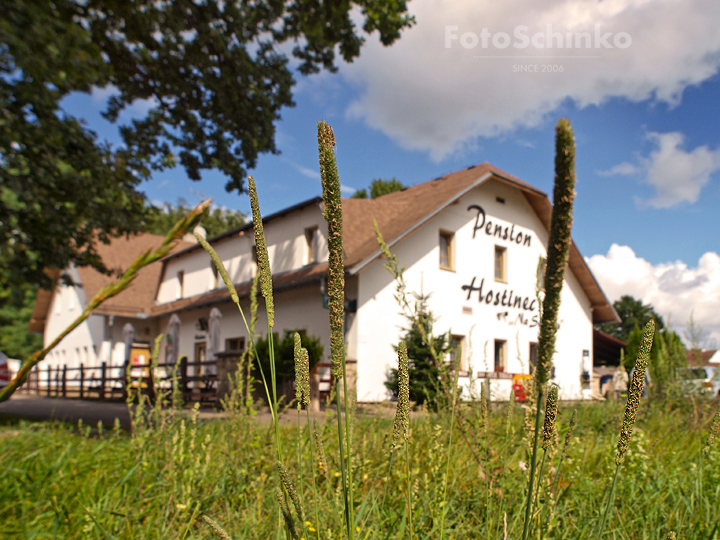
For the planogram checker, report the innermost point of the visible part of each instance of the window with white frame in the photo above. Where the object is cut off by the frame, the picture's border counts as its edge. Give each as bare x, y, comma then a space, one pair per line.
446, 244
311, 245
500, 355
501, 264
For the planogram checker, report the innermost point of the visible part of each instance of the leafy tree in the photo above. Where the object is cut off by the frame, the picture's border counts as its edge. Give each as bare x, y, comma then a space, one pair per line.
16, 307
284, 354
425, 376
667, 354
379, 187
218, 220
211, 73
633, 313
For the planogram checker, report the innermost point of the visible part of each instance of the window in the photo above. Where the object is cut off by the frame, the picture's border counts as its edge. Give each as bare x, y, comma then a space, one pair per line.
447, 254
500, 354
235, 344
311, 241
500, 264
180, 283
533, 357
456, 356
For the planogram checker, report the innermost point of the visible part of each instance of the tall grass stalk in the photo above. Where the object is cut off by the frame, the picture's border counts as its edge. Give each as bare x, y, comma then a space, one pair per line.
401, 425
302, 396
253, 304
557, 256
336, 303
635, 393
263, 262
549, 433
443, 504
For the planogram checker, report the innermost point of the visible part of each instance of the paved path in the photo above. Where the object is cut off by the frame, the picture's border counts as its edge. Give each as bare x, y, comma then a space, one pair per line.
67, 410
91, 411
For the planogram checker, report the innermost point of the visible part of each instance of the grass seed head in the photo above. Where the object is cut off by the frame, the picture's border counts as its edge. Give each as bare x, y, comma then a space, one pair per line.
549, 430
217, 529
302, 373
320, 447
635, 391
285, 509
714, 430
290, 487
263, 261
558, 246
336, 272
401, 426
220, 267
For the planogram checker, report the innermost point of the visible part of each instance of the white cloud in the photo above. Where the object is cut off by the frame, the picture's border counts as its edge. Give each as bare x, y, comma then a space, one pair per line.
677, 176
309, 173
673, 289
432, 98
622, 168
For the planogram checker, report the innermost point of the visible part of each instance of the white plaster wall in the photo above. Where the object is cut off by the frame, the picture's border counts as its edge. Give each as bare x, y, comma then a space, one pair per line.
82, 344
297, 309
379, 325
285, 237
287, 250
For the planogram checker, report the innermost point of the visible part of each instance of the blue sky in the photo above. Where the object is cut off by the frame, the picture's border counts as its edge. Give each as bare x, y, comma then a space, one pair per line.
645, 113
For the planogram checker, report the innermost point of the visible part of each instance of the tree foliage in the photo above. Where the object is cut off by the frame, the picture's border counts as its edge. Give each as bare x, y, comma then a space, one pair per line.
60, 190
668, 353
219, 220
633, 313
284, 354
425, 376
16, 307
211, 74
379, 187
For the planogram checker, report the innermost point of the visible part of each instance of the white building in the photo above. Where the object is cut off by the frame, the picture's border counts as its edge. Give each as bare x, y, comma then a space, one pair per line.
100, 338
471, 239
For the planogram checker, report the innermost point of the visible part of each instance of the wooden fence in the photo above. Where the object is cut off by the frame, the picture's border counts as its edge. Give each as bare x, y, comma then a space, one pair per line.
111, 382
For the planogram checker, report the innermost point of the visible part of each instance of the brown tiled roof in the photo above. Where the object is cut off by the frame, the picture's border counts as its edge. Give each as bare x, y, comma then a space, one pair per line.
703, 354
396, 213
117, 256
399, 214
285, 280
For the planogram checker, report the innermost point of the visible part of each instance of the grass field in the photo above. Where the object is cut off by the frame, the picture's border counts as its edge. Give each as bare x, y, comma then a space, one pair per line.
62, 481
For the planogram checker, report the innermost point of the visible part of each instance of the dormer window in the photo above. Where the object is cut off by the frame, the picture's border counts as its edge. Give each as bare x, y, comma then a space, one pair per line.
311, 245
447, 248
180, 283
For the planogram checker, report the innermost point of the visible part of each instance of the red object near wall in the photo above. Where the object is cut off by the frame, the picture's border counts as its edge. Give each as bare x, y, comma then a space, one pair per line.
519, 390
